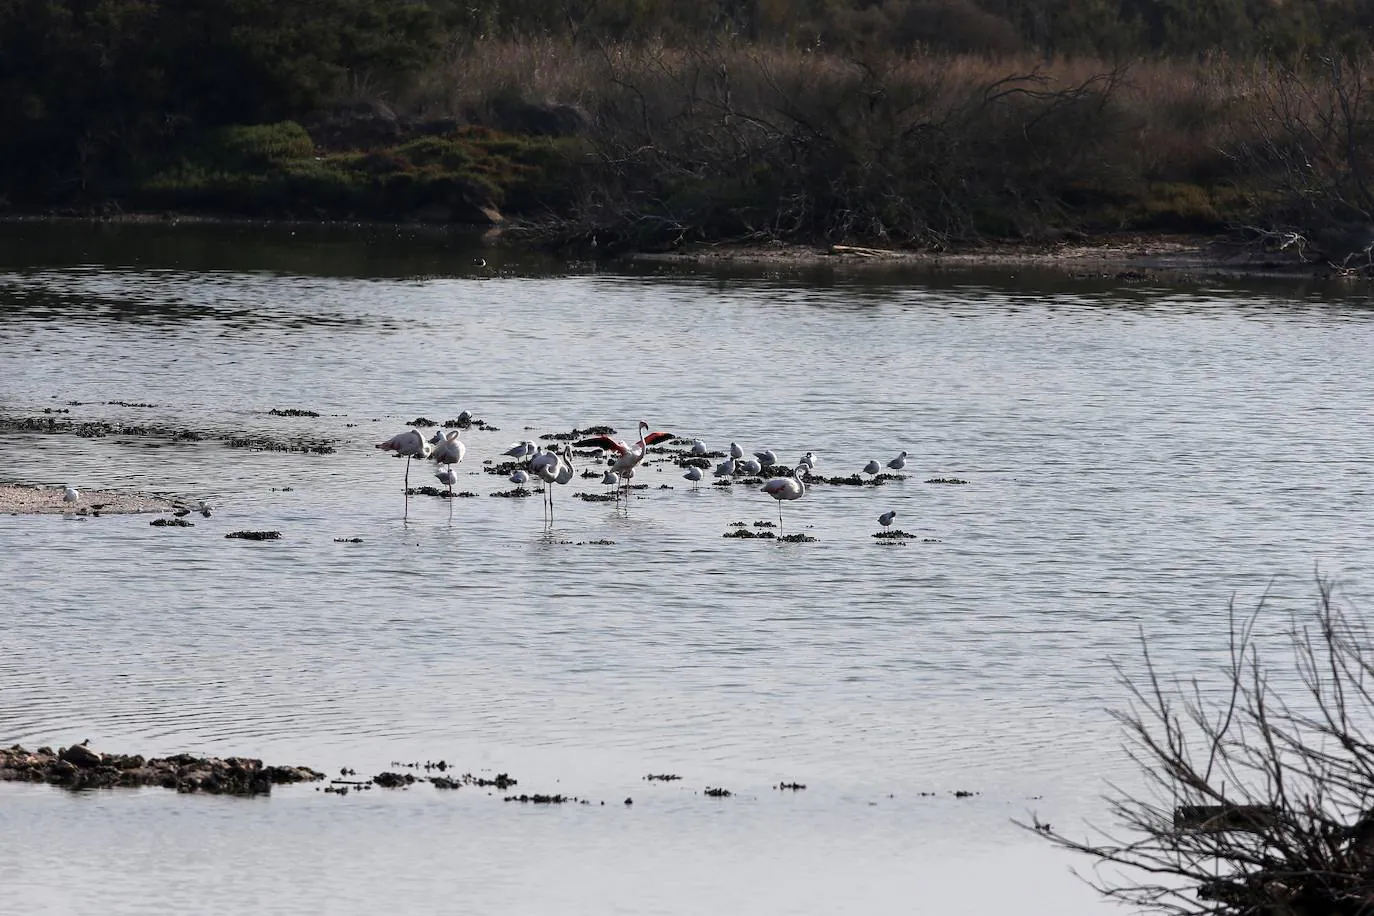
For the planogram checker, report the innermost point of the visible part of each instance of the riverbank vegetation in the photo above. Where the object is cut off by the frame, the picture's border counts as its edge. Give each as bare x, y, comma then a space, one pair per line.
644, 124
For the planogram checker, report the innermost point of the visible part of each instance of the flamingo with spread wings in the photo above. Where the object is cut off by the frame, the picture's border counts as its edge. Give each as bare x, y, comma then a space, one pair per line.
627, 456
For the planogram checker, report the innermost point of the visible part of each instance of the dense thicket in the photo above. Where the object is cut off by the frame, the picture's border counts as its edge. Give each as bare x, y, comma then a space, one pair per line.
651, 121
94, 90
1103, 28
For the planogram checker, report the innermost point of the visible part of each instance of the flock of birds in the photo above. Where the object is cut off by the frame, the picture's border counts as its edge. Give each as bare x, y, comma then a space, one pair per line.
553, 464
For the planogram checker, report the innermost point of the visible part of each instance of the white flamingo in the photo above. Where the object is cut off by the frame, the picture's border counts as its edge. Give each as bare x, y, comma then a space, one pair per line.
872, 467
898, 463
781, 488
626, 457
409, 444
552, 467
694, 475
448, 450
886, 518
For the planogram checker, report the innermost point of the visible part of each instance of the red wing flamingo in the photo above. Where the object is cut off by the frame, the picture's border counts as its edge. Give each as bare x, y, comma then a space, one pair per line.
627, 457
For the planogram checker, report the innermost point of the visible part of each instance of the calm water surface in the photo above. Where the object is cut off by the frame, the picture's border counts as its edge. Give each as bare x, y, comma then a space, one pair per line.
1135, 457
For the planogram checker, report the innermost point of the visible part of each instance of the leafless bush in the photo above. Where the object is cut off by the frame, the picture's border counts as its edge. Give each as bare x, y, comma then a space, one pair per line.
1311, 140
1256, 801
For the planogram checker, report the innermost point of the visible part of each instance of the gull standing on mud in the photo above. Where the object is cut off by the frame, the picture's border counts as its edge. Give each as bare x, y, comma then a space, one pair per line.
886, 518
521, 450
698, 448
694, 475
873, 467
898, 463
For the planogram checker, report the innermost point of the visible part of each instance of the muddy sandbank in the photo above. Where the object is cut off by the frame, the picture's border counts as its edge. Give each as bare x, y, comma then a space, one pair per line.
19, 499
1131, 257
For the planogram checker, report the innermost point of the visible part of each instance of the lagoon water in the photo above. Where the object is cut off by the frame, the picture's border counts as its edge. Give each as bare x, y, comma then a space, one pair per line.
1136, 456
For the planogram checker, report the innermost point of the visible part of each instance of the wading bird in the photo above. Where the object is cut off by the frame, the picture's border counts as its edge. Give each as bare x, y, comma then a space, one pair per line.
698, 447
409, 444
898, 463
886, 518
725, 469
736, 451
781, 488
767, 457
519, 478
626, 456
448, 450
553, 467
750, 466
448, 477
694, 475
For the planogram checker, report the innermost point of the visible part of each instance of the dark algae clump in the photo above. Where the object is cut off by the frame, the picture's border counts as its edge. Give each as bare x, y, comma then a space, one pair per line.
80, 767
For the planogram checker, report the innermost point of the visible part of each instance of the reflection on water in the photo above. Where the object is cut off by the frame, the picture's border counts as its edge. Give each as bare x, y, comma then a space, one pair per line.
1135, 456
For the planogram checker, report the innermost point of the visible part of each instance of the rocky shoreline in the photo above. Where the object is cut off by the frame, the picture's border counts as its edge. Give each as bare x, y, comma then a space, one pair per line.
80, 767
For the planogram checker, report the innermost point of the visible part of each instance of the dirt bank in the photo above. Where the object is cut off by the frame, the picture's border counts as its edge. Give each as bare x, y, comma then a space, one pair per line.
17, 499
1133, 256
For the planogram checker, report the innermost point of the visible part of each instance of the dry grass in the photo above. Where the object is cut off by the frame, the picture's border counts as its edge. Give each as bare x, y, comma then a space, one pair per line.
785, 141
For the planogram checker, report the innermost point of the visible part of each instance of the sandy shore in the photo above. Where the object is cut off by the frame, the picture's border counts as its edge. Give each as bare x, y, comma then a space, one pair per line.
1185, 256
16, 499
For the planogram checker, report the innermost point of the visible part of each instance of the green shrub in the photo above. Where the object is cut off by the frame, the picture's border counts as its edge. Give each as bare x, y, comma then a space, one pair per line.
248, 146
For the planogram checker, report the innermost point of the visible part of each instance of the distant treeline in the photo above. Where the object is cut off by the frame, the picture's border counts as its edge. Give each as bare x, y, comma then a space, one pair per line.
654, 121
